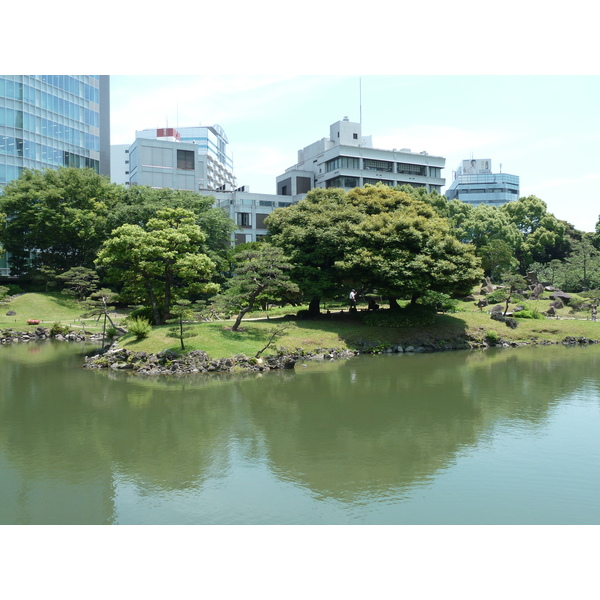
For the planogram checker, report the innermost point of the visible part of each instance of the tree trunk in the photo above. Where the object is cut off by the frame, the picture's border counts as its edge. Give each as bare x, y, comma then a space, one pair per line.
239, 318
394, 304
313, 307
248, 308
153, 303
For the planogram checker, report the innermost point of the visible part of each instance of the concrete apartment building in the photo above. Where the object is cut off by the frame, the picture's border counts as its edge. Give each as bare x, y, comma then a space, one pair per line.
196, 159
344, 160
186, 158
475, 183
347, 160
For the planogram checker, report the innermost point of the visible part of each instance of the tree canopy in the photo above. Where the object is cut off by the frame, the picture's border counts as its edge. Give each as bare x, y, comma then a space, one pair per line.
160, 262
373, 237
61, 215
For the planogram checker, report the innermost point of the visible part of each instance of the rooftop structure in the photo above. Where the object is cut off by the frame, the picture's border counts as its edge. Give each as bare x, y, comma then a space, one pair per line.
186, 158
475, 183
347, 159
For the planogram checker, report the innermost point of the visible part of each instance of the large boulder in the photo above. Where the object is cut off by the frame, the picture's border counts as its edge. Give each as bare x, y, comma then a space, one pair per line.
563, 296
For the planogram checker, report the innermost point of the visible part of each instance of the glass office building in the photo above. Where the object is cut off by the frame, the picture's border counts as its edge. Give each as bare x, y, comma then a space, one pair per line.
475, 184
50, 121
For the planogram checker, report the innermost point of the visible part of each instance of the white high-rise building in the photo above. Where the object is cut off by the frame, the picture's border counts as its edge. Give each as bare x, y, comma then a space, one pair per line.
347, 159
186, 158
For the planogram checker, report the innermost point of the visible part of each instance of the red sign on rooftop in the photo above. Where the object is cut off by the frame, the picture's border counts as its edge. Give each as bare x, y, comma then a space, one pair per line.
168, 132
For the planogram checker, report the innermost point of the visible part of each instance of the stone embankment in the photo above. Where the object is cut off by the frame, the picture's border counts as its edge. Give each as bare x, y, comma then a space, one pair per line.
9, 336
198, 361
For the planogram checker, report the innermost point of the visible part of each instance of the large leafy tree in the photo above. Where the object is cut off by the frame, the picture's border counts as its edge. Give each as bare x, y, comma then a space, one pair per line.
596, 236
375, 237
160, 262
403, 248
58, 217
490, 230
313, 233
138, 204
543, 236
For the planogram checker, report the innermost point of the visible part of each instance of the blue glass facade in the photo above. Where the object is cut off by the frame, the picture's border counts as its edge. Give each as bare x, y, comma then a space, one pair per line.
50, 121
494, 189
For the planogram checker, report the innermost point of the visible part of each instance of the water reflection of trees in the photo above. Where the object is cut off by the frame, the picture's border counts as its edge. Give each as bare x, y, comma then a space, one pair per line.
372, 426
377, 426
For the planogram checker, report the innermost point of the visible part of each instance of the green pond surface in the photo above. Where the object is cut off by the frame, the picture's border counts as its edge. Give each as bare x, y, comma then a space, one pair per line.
470, 437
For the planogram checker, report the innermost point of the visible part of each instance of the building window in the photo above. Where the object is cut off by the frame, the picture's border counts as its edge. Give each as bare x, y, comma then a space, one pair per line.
376, 181
355, 136
411, 169
342, 162
378, 165
342, 182
243, 220
185, 160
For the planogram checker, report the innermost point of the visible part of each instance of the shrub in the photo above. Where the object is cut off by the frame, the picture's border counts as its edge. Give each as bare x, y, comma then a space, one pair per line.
3, 292
140, 327
14, 289
58, 329
497, 296
143, 312
528, 313
492, 337
111, 332
438, 301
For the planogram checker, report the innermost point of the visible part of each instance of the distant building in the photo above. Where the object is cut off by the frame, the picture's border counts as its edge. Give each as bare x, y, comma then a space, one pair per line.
249, 211
53, 121
186, 158
475, 183
347, 160
195, 158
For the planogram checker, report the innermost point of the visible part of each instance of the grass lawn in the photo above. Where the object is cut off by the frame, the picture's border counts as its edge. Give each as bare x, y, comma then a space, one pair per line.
219, 341
50, 308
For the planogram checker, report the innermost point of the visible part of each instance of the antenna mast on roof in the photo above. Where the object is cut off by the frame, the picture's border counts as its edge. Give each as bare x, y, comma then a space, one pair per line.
360, 103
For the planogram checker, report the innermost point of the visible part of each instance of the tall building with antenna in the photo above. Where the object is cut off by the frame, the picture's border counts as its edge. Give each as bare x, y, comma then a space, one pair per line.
347, 159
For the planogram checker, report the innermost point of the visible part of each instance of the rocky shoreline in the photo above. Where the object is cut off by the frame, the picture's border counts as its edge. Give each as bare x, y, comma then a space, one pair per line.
169, 362
9, 336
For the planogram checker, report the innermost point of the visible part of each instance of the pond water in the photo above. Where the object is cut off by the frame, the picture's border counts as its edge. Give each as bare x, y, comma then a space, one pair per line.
470, 437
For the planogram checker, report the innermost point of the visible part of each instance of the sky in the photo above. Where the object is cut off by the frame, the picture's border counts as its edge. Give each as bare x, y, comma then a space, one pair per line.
543, 128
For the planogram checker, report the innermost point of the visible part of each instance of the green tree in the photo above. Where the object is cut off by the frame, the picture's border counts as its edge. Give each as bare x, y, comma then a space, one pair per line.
371, 237
259, 271
79, 281
490, 230
57, 218
403, 248
139, 204
181, 310
100, 304
159, 263
596, 236
312, 234
543, 236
